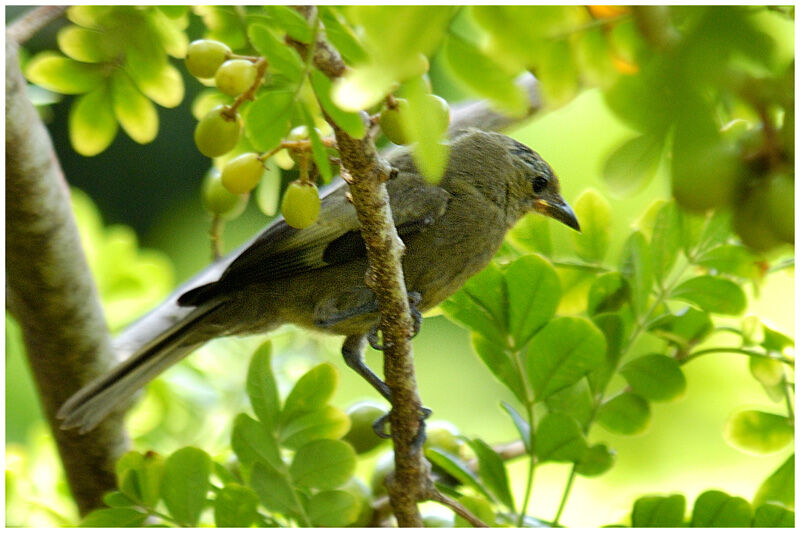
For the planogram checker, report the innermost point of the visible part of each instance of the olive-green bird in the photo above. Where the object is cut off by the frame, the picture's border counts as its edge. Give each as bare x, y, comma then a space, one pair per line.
314, 277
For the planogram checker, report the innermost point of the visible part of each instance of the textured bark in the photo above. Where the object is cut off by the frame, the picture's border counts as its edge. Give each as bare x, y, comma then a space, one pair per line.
50, 292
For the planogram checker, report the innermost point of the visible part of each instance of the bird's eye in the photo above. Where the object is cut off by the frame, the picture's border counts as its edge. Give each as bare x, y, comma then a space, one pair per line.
539, 184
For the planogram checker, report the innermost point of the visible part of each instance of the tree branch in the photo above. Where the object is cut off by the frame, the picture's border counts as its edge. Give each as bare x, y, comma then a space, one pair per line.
366, 173
31, 22
51, 293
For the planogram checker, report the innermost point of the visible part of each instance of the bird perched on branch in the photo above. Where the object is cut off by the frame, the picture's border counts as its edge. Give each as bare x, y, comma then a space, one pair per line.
314, 277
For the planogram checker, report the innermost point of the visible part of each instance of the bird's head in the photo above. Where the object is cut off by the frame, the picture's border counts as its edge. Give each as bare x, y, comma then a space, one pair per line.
540, 187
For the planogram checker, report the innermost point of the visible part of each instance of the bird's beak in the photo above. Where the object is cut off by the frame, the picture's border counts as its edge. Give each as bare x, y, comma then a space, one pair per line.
559, 210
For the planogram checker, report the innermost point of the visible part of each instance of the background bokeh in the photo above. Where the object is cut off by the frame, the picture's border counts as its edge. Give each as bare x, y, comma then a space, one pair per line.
154, 189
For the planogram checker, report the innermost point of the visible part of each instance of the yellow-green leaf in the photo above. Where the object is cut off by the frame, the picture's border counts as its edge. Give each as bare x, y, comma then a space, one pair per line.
92, 125
62, 74
136, 114
81, 44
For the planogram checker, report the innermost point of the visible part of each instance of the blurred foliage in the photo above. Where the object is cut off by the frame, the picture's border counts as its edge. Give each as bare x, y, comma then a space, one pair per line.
708, 96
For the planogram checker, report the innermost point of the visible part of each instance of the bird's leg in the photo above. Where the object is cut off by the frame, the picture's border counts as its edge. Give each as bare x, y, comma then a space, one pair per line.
414, 298
353, 353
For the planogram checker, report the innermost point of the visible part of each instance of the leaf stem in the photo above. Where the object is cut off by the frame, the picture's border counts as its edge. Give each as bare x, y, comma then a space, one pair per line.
567, 489
531, 467
733, 349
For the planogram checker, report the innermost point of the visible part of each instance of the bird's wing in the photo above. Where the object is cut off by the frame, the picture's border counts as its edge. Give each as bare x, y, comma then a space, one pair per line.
282, 251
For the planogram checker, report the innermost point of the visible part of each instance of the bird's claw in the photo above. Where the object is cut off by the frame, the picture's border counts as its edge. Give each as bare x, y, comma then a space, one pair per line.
419, 439
414, 298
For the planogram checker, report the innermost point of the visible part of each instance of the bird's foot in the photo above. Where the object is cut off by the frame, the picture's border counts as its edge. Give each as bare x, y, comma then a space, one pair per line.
379, 426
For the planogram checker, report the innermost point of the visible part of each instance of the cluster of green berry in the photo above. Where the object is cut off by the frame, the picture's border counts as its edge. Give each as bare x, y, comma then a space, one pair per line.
218, 132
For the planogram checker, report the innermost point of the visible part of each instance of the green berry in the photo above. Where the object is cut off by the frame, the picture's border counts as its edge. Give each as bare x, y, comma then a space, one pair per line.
383, 467
217, 200
391, 122
439, 112
298, 134
300, 206
362, 494
204, 57
442, 435
241, 174
216, 134
780, 207
749, 219
235, 76
361, 435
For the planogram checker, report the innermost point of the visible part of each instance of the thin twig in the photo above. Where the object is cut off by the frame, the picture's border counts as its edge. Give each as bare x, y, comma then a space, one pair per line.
456, 507
31, 22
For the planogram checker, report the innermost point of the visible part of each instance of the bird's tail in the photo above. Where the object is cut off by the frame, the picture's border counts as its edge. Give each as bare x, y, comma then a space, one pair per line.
95, 401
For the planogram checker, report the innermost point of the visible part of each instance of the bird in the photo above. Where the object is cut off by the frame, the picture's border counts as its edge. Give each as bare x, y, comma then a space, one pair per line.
315, 277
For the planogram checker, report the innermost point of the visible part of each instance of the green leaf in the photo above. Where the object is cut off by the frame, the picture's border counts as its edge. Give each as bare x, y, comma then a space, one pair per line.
421, 123
482, 75
312, 391
252, 441
558, 72
768, 372
341, 36
146, 63
666, 240
318, 150
262, 388
533, 293
274, 489
730, 259
575, 400
771, 515
636, 266
267, 120
594, 212
323, 464
291, 22
779, 486
115, 517
481, 305
117, 499
92, 125
352, 123
712, 294
457, 468
186, 483
85, 45
627, 414
492, 471
136, 114
656, 377
480, 507
326, 423
715, 508
609, 292
615, 332
559, 438
63, 75
532, 233
565, 350
333, 508
597, 460
659, 511
139, 476
685, 327
281, 57
500, 363
632, 166
235, 506
522, 425
759, 432
775, 341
